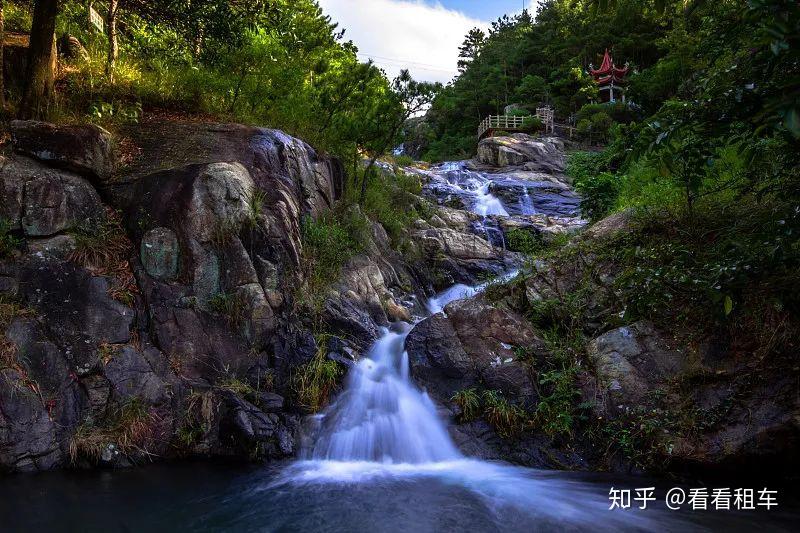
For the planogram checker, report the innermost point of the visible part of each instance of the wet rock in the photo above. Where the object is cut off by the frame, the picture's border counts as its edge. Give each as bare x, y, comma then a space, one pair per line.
473, 344
85, 149
160, 252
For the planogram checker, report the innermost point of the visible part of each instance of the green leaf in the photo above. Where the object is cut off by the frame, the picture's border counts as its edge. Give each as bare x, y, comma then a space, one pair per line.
728, 305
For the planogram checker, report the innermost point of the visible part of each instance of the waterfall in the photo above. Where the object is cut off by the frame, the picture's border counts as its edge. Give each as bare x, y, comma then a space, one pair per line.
381, 416
526, 203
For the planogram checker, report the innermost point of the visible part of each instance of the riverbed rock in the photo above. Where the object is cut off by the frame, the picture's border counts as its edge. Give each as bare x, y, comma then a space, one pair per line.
87, 150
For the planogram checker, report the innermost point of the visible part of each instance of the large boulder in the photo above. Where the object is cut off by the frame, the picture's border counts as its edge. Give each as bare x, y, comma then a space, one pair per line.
631, 362
544, 154
474, 344
87, 150
43, 201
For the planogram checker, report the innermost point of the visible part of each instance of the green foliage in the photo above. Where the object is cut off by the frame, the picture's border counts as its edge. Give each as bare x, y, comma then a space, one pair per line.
558, 411
314, 382
469, 401
528, 61
524, 241
392, 198
329, 242
616, 112
232, 306
507, 418
599, 194
8, 242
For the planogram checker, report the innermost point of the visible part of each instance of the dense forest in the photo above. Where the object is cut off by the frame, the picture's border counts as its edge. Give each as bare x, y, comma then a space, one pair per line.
721, 66
281, 63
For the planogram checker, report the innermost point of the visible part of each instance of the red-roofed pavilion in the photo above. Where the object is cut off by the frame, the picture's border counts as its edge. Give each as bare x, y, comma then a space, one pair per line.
610, 79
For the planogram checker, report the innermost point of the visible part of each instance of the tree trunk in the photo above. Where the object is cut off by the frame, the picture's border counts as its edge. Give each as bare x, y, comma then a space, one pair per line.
111, 29
363, 196
40, 72
2, 59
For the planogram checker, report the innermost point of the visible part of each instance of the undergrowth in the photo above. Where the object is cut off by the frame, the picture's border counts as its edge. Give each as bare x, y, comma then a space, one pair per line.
314, 382
127, 427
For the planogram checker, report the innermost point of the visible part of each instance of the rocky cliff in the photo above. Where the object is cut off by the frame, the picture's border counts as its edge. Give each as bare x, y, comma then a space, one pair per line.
146, 311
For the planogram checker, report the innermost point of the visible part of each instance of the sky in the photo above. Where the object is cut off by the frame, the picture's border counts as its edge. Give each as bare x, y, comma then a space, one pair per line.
420, 35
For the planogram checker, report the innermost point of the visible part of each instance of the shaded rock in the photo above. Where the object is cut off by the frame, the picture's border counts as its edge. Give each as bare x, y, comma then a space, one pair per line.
75, 308
86, 149
160, 252
632, 360
472, 344
28, 437
71, 48
610, 225
58, 246
43, 201
131, 376
269, 402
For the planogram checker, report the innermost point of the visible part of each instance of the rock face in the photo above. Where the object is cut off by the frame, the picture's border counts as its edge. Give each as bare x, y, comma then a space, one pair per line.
85, 150
631, 361
43, 201
522, 150
471, 343
178, 317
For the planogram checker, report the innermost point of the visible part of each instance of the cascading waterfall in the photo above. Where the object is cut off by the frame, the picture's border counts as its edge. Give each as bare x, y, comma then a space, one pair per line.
382, 416
526, 203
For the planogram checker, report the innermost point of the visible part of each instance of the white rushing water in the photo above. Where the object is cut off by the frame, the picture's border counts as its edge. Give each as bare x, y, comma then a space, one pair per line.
382, 416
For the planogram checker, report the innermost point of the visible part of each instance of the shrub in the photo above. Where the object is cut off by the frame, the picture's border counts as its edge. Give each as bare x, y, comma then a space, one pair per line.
8, 242
524, 241
507, 418
314, 382
532, 124
101, 246
599, 194
469, 401
128, 427
403, 160
230, 305
329, 242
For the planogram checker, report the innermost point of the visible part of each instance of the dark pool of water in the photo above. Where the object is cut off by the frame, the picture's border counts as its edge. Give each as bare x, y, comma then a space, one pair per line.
464, 496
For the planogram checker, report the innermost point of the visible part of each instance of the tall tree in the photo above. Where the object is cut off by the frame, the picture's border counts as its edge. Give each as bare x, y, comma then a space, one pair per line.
410, 98
40, 72
111, 30
2, 54
470, 48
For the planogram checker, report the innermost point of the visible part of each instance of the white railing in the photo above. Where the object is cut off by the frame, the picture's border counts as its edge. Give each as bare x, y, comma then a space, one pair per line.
501, 122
